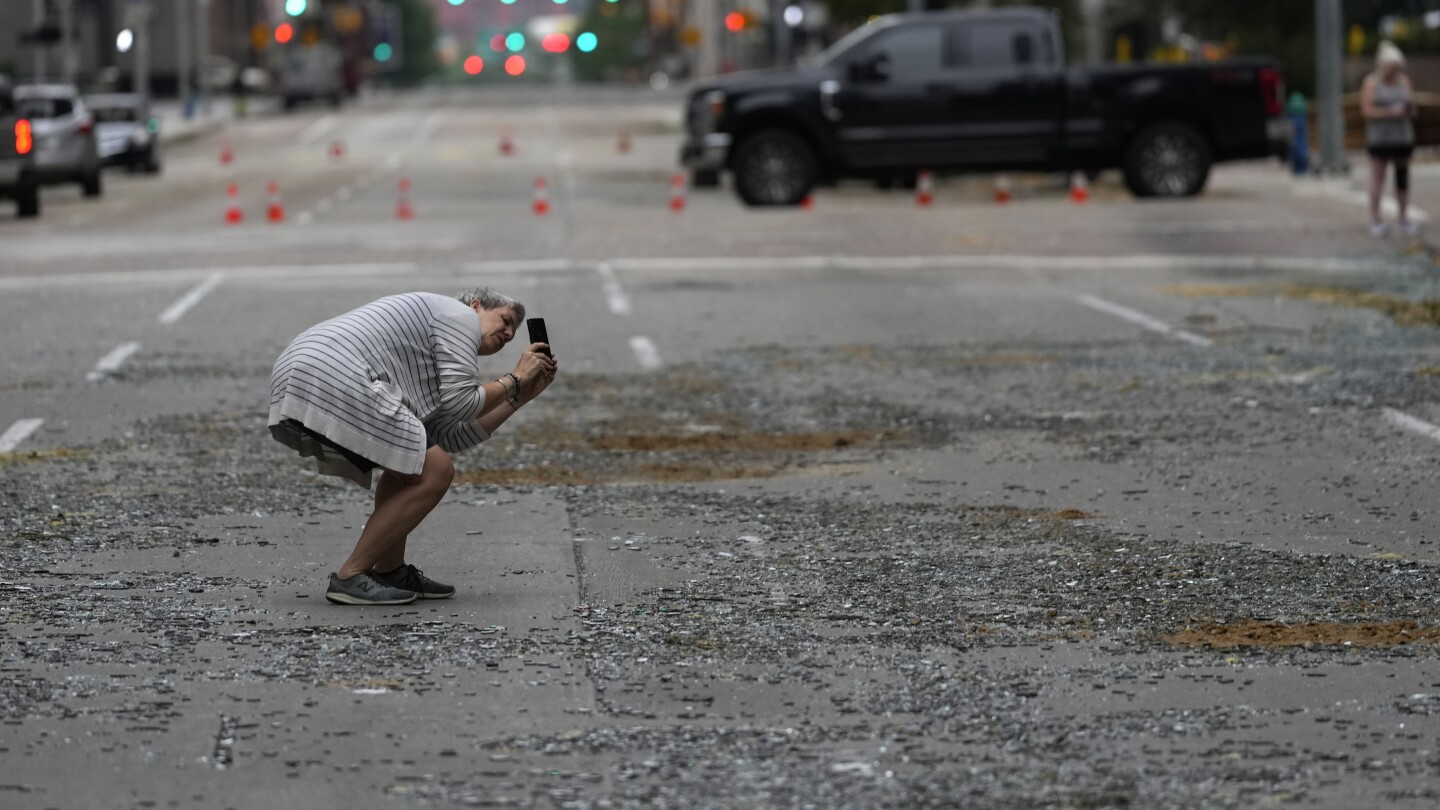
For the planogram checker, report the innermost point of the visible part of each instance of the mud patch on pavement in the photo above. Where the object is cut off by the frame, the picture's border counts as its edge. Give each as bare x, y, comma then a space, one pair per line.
1401, 310
23, 456
1304, 634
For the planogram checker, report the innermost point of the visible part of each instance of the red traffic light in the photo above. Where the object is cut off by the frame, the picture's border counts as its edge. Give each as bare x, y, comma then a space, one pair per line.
473, 65
555, 42
284, 32
734, 22
515, 64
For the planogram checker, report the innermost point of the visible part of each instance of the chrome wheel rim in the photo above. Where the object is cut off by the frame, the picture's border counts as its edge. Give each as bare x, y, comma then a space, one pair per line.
773, 171
1170, 164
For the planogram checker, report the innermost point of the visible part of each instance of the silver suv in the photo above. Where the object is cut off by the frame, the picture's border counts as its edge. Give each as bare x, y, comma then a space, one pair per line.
65, 146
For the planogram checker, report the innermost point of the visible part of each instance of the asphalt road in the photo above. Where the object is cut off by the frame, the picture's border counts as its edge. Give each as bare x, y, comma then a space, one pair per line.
858, 505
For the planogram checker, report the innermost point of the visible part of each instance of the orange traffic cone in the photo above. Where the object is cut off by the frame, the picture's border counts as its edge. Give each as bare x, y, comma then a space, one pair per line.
337, 150
677, 192
507, 143
226, 154
1002, 189
924, 188
622, 145
233, 213
1079, 187
275, 210
541, 206
403, 207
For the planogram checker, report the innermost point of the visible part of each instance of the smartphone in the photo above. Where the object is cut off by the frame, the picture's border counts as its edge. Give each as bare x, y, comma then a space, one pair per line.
538, 334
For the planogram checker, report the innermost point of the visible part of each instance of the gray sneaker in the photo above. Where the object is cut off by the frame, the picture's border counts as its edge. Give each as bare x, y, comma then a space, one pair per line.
365, 589
412, 579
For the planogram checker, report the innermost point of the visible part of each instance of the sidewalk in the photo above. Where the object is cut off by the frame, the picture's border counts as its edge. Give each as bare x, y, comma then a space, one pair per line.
213, 116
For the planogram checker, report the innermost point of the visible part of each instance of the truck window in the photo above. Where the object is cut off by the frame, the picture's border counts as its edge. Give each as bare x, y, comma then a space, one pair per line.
912, 51
997, 45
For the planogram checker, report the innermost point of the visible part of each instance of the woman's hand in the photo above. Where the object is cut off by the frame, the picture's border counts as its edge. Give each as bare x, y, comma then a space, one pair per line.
534, 369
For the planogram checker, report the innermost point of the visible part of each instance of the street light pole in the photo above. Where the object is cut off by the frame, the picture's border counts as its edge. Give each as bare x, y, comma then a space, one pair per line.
1328, 103
202, 54
182, 54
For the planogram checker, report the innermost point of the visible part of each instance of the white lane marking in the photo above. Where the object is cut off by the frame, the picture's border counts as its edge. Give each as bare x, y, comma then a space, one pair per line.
1137, 317
304, 218
1296, 264
645, 352
178, 309
614, 293
1408, 422
251, 273
111, 363
323, 206
18, 432
316, 131
344, 193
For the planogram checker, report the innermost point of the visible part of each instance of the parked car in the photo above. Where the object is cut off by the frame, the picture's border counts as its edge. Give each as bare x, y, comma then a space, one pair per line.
978, 91
18, 179
127, 133
66, 149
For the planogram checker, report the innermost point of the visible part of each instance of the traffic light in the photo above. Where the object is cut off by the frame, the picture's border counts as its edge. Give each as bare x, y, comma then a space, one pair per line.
295, 7
284, 32
735, 22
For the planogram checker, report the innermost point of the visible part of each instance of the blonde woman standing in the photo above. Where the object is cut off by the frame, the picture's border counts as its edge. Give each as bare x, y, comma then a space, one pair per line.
1387, 104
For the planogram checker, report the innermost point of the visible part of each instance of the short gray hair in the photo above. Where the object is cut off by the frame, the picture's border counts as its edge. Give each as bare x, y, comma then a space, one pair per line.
489, 299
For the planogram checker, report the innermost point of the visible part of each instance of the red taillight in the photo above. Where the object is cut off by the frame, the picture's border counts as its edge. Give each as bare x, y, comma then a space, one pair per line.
1272, 90
24, 140
87, 125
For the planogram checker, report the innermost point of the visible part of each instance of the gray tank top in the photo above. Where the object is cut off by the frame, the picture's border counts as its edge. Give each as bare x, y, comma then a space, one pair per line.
1390, 131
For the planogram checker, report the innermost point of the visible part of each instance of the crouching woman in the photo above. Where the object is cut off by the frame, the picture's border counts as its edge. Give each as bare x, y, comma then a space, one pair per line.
395, 386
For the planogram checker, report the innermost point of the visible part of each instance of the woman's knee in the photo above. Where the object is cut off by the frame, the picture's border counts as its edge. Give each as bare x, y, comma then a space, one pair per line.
439, 471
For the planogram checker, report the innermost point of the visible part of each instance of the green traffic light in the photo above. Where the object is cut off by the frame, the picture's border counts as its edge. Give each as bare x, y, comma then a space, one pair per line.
383, 52
515, 42
295, 7
586, 42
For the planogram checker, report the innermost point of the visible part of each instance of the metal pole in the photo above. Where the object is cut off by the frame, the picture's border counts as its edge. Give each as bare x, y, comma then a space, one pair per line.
781, 32
38, 7
1329, 111
67, 46
142, 49
202, 54
182, 54
707, 20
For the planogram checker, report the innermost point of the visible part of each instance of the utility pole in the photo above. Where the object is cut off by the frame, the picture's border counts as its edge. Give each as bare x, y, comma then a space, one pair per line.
781, 31
183, 33
67, 47
38, 7
1328, 110
137, 19
202, 54
707, 20
1092, 14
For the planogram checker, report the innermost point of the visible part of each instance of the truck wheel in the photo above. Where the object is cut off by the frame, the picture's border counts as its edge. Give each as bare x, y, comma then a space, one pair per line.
774, 167
704, 178
27, 199
1167, 160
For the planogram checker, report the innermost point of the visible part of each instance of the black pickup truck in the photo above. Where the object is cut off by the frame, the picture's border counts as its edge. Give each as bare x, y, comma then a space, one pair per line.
986, 90
17, 159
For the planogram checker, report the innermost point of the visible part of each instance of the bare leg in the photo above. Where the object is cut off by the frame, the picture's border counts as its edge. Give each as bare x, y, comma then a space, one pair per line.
386, 488
1377, 184
397, 513
1402, 195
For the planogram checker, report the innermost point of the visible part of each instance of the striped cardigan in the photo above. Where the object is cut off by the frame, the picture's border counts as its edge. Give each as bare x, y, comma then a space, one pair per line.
377, 379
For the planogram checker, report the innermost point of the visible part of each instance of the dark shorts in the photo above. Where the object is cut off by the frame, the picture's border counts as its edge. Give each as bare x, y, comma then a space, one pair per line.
365, 465
1390, 152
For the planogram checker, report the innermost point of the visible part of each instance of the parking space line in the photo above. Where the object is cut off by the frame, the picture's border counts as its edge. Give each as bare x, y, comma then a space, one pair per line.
1141, 319
111, 363
178, 309
645, 352
1406, 421
18, 432
614, 293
